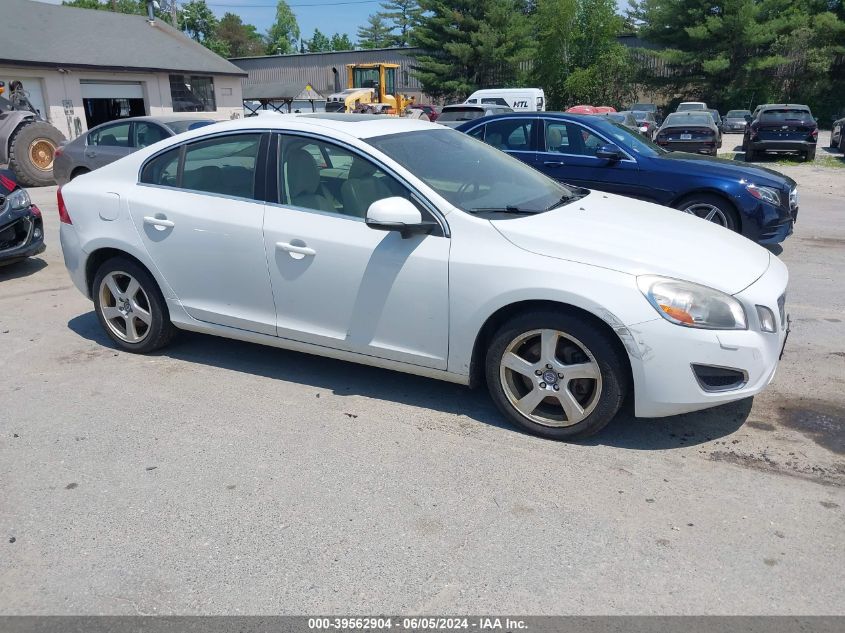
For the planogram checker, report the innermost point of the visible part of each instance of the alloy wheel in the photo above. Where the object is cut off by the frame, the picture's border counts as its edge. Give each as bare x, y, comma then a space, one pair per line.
550, 377
125, 307
708, 212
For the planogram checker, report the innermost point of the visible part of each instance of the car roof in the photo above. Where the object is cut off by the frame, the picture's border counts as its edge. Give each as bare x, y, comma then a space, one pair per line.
355, 125
164, 120
777, 106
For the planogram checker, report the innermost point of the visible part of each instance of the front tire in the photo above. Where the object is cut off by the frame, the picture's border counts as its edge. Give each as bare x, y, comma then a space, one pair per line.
710, 208
582, 380
32, 151
749, 155
130, 306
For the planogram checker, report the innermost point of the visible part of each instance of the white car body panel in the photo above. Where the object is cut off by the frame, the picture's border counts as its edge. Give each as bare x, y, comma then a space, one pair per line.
417, 305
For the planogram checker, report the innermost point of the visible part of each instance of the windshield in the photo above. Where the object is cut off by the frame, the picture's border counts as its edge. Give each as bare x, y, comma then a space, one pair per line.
689, 119
469, 173
183, 126
461, 114
737, 114
628, 139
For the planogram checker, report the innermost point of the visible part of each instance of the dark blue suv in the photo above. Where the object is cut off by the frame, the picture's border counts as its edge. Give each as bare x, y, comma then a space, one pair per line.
596, 153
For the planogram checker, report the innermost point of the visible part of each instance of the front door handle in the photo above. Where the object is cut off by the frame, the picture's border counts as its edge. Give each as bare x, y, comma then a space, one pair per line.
554, 163
158, 222
295, 248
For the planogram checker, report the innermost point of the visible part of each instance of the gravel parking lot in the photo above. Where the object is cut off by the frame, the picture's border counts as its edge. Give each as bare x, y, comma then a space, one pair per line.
220, 477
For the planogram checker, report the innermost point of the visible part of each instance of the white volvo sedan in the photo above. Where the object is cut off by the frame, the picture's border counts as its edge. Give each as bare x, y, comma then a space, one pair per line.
409, 246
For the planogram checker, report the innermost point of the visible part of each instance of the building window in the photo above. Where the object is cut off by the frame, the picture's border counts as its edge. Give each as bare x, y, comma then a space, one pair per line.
192, 93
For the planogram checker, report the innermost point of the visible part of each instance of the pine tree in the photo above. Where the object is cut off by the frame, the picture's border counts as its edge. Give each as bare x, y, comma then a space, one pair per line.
341, 42
376, 34
318, 42
401, 17
470, 44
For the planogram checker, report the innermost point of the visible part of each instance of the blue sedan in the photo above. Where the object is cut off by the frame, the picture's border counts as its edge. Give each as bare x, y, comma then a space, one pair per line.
596, 153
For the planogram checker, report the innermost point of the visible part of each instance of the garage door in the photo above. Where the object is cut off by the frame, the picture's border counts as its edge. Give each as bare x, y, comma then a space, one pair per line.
32, 87
111, 90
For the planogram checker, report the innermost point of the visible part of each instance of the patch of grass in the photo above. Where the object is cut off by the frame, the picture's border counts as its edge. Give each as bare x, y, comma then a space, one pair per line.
831, 161
836, 162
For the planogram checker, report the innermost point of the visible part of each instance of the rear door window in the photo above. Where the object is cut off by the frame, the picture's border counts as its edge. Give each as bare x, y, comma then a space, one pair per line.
145, 134
110, 136
224, 165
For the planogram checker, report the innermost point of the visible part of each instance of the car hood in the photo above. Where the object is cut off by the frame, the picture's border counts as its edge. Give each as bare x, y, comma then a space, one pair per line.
712, 166
640, 238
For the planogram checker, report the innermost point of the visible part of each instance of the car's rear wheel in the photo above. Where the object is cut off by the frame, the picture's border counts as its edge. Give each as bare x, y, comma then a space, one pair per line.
555, 375
711, 208
78, 172
810, 154
130, 306
749, 155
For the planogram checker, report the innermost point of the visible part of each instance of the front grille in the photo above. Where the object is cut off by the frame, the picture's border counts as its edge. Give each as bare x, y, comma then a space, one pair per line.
782, 309
712, 378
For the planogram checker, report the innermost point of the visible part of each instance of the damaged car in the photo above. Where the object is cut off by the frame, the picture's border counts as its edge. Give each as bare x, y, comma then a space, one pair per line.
21, 226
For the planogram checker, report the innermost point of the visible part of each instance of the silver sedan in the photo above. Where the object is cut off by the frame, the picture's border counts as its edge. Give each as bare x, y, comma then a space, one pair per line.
110, 141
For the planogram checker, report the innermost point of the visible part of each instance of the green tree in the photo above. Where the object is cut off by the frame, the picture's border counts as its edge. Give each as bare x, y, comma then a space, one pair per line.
319, 42
284, 33
556, 33
470, 44
401, 17
134, 7
341, 42
738, 53
197, 19
376, 34
243, 40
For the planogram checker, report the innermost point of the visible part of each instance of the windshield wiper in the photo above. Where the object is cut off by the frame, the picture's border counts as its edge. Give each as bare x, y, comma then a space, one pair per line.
508, 209
570, 197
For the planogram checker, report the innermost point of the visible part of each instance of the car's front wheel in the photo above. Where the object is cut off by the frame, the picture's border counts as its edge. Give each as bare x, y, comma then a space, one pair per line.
711, 208
555, 375
130, 306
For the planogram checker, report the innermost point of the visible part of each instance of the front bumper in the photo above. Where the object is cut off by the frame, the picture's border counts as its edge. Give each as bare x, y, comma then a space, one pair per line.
21, 235
664, 380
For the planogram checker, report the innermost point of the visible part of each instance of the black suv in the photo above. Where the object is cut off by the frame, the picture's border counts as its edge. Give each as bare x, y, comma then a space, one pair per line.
781, 127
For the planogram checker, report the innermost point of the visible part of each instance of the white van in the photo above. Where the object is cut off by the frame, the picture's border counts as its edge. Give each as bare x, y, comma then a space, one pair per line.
520, 99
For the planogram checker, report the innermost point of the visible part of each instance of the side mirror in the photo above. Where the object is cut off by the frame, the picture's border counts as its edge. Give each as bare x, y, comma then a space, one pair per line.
397, 214
609, 152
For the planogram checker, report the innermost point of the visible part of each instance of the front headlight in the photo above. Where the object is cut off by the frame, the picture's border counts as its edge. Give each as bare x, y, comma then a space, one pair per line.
766, 194
691, 305
19, 199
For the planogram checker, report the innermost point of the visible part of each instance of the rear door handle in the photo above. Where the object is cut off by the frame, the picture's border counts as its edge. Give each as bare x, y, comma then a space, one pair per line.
159, 222
293, 248
554, 163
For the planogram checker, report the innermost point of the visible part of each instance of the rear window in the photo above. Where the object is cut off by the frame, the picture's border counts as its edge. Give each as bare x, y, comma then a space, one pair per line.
786, 114
690, 119
647, 107
461, 114
737, 114
183, 126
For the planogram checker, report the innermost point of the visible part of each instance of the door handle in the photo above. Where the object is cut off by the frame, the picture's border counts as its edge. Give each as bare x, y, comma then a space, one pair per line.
554, 163
158, 222
293, 248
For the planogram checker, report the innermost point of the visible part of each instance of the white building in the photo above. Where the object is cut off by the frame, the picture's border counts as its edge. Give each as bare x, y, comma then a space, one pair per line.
83, 67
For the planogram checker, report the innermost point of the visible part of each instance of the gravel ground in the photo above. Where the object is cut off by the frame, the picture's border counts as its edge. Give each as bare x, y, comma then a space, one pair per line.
220, 477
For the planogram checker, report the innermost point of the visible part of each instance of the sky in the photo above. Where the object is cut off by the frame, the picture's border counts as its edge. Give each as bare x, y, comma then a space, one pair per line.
330, 16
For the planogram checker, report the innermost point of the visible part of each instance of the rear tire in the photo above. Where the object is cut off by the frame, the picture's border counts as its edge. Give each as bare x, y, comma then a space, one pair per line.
749, 155
810, 154
589, 374
79, 171
32, 151
130, 306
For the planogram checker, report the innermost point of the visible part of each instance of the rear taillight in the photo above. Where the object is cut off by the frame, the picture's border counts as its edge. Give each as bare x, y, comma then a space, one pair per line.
63, 214
815, 133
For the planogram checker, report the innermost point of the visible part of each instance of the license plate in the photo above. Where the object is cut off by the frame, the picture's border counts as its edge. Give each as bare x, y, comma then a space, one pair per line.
686, 137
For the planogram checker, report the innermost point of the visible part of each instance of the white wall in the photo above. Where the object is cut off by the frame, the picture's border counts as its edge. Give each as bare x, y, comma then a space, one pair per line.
56, 87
